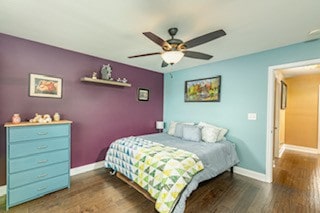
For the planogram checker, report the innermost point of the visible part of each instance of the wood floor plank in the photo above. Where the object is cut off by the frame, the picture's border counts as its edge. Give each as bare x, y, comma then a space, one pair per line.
296, 188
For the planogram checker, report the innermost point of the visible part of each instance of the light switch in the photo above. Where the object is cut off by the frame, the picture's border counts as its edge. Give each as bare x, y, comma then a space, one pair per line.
252, 116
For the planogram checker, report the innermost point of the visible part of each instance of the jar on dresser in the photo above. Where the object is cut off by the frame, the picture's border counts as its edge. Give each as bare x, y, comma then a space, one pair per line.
38, 159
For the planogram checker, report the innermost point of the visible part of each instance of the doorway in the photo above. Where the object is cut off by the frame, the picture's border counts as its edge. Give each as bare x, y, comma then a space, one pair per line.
272, 76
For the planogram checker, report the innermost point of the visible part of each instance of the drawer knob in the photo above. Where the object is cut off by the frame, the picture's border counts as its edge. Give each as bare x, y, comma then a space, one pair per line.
42, 175
42, 133
42, 188
42, 147
42, 161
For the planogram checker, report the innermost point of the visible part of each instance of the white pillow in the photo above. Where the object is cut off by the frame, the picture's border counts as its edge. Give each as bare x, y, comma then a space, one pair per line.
173, 124
172, 128
210, 134
222, 132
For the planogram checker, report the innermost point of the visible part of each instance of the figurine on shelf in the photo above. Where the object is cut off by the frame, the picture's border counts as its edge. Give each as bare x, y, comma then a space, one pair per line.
124, 80
56, 117
119, 79
41, 119
47, 118
106, 71
94, 75
16, 118
35, 119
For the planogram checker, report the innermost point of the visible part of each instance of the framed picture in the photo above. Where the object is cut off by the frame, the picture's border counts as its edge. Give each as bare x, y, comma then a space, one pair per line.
143, 94
283, 95
45, 86
203, 90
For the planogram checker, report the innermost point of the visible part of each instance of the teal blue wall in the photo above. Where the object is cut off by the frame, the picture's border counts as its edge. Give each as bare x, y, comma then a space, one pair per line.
244, 83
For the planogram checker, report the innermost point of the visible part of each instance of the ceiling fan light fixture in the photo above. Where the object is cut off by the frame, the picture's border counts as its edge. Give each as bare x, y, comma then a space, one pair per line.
172, 57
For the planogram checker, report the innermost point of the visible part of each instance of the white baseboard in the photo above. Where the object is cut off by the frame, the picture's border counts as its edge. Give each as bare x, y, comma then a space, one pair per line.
86, 168
281, 151
301, 149
250, 174
3, 190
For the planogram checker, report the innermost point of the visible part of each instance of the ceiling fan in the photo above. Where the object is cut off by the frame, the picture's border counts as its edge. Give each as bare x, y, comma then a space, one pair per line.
174, 49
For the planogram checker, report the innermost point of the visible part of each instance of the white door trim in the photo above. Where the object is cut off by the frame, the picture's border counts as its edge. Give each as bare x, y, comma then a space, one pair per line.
270, 110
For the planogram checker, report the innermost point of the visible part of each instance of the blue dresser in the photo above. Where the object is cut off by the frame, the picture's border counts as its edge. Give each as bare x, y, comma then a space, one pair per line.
38, 160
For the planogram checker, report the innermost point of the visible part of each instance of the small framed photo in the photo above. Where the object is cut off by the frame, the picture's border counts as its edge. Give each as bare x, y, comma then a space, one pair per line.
45, 86
143, 94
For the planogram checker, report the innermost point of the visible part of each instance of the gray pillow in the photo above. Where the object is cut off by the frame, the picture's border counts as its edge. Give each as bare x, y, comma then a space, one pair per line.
191, 133
178, 130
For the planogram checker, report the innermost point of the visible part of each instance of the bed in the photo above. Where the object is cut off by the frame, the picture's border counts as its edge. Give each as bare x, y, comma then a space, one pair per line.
214, 159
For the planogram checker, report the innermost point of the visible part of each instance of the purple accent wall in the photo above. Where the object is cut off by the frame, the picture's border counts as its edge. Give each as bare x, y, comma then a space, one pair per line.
101, 113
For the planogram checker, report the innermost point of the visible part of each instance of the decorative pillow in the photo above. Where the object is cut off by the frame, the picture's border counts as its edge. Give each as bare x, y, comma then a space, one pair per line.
222, 132
210, 134
172, 128
191, 133
178, 130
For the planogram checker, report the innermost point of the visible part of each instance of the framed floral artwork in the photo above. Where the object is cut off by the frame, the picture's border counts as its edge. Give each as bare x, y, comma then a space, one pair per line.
45, 86
203, 90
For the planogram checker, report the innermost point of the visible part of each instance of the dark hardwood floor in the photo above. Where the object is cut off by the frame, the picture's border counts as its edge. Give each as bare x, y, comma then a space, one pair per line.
296, 188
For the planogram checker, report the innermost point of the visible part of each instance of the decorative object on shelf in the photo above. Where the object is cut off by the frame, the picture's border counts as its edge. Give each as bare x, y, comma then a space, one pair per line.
159, 125
56, 117
35, 119
283, 95
106, 71
16, 118
124, 80
47, 118
119, 80
143, 94
101, 81
41, 119
94, 75
45, 86
203, 90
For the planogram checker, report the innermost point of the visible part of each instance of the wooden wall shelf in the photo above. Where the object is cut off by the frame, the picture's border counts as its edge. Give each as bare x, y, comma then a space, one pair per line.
100, 81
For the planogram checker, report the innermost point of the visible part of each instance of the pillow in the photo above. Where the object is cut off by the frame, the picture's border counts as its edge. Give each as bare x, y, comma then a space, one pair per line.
222, 132
210, 134
178, 130
172, 127
191, 133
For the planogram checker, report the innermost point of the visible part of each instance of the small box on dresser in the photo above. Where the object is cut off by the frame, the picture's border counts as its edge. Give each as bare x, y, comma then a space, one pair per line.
38, 159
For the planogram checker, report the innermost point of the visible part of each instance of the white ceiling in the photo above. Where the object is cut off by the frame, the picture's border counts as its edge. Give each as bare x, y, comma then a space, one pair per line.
113, 29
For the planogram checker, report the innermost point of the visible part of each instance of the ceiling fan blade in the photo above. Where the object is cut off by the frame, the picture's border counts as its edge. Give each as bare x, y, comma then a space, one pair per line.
204, 38
192, 54
147, 54
156, 39
164, 64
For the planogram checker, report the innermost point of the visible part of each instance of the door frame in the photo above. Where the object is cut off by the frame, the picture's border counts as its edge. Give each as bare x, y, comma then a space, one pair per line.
276, 127
270, 111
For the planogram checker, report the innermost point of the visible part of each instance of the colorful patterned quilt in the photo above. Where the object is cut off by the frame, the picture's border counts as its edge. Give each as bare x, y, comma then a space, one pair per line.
161, 170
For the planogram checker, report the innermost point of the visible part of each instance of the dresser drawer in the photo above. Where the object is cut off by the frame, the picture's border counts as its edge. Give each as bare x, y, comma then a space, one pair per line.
35, 190
37, 132
39, 160
37, 146
35, 175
